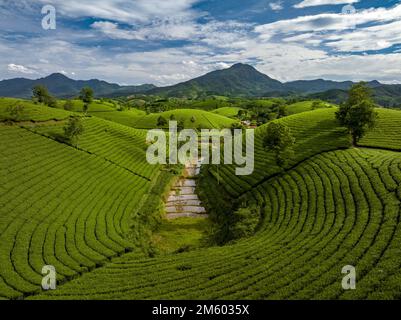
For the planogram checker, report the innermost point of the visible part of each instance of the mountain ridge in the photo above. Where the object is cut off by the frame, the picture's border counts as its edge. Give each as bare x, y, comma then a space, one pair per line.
61, 86
240, 80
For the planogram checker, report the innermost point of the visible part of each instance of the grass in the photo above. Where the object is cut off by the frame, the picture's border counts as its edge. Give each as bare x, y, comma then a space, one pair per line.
180, 234
305, 106
230, 112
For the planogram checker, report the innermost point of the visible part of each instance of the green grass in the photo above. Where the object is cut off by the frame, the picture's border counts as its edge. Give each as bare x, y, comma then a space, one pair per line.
304, 106
230, 112
203, 119
180, 234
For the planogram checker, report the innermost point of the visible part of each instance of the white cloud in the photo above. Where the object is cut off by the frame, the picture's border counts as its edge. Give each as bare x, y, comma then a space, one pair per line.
312, 3
276, 6
370, 38
20, 69
131, 12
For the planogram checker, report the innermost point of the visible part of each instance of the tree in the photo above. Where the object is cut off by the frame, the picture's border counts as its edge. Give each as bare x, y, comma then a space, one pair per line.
86, 95
317, 105
279, 140
358, 113
40, 93
193, 119
282, 111
161, 121
172, 117
243, 222
73, 129
68, 105
51, 102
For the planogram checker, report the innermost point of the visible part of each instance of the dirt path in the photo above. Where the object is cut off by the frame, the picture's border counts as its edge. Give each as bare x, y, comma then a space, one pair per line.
183, 200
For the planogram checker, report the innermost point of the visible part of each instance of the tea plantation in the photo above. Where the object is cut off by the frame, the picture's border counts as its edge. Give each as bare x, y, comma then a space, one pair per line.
89, 209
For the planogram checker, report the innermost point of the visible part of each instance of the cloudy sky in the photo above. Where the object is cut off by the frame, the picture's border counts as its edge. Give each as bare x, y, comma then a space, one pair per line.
169, 41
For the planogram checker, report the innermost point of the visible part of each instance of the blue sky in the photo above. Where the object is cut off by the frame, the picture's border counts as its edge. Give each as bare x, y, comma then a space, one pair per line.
165, 42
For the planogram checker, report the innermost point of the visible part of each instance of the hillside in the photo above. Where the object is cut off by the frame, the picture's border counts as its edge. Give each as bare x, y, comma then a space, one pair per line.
317, 218
63, 87
90, 210
192, 118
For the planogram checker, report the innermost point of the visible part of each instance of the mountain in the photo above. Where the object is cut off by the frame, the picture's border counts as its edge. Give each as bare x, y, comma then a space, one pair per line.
63, 87
320, 85
238, 80
383, 94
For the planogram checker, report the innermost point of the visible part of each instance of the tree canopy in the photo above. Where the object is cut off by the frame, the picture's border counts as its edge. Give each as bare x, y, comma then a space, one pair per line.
279, 139
358, 112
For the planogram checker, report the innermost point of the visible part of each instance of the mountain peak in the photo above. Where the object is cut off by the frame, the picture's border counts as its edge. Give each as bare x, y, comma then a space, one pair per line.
57, 76
242, 66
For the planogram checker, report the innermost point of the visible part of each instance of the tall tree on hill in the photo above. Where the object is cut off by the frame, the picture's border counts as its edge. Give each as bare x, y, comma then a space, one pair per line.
279, 139
73, 129
86, 95
358, 112
40, 94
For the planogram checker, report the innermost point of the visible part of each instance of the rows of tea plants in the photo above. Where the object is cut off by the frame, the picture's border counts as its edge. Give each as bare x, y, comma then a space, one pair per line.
29, 111
117, 143
63, 206
387, 132
336, 209
315, 132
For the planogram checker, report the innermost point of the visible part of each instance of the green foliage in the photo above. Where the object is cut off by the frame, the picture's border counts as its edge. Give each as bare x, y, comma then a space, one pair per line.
40, 94
73, 129
161, 121
357, 113
86, 95
15, 111
282, 111
68, 105
279, 140
243, 222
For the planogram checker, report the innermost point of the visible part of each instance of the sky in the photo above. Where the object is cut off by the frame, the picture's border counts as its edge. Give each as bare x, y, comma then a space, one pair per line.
169, 41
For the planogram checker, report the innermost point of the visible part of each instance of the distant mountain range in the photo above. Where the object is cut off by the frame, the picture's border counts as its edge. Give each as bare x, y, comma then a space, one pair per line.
64, 87
240, 80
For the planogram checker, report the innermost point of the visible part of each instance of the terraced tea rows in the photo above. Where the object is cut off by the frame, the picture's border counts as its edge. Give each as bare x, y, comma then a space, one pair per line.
31, 111
315, 132
64, 207
117, 143
336, 209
